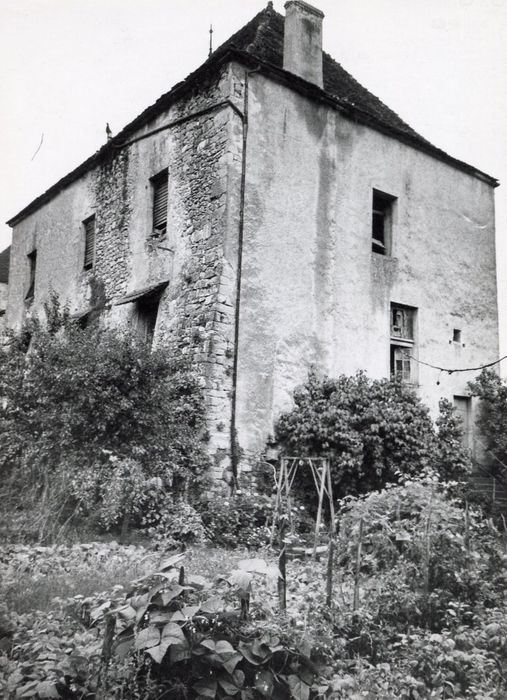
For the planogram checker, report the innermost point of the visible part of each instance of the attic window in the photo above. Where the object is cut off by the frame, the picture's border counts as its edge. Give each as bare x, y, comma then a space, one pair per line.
381, 222
456, 335
32, 262
160, 200
89, 254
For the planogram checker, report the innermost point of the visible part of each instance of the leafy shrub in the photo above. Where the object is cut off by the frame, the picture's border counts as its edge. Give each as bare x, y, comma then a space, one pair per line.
174, 522
492, 419
372, 431
239, 520
91, 418
420, 543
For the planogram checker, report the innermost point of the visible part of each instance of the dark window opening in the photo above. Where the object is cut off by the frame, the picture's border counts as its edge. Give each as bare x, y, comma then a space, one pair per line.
381, 223
160, 201
402, 349
147, 312
32, 262
89, 255
456, 335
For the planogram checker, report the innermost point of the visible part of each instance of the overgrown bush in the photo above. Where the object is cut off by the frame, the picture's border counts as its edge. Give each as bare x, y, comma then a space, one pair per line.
372, 431
492, 419
92, 419
241, 520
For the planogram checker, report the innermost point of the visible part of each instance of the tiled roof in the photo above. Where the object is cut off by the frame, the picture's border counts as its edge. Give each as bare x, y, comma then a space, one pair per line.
263, 38
4, 265
260, 43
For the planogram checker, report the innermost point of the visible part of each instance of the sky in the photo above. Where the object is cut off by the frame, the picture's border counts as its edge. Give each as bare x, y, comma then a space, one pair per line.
69, 66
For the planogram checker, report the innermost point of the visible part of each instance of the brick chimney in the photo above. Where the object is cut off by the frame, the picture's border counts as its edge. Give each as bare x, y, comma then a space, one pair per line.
302, 46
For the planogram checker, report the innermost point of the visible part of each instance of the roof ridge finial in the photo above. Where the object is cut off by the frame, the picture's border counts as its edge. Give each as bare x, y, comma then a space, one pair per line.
269, 6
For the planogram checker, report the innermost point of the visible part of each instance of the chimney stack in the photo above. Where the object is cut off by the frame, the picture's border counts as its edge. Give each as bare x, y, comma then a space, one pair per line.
302, 46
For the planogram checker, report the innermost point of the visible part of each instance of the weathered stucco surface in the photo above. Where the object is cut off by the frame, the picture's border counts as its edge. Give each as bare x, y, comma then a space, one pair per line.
312, 290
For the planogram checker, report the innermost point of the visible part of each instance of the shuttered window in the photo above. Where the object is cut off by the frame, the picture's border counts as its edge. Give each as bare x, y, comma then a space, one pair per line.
89, 255
160, 195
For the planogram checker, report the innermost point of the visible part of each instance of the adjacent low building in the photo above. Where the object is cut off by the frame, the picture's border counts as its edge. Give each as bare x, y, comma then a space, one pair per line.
266, 214
4, 284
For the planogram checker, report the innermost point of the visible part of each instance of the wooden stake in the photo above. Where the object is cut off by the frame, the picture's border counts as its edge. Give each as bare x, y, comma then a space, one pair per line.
282, 581
319, 509
427, 548
329, 573
355, 604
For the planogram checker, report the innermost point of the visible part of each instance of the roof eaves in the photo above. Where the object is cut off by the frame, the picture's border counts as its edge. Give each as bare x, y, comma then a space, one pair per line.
355, 113
211, 66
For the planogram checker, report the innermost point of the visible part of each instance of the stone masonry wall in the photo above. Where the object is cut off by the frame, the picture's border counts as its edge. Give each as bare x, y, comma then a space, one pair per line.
197, 256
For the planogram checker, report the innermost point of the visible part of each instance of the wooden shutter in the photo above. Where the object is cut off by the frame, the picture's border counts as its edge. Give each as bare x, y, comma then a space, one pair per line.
89, 226
160, 194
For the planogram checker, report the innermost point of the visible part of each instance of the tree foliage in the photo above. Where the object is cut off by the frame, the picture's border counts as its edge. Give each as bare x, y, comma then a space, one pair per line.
372, 430
492, 419
90, 409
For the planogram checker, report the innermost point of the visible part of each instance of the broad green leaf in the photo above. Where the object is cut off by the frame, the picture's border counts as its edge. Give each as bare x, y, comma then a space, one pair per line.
257, 566
157, 653
171, 562
231, 663
228, 685
122, 648
47, 689
158, 617
224, 647
264, 682
209, 644
148, 637
213, 605
170, 594
246, 651
173, 634
298, 688
206, 688
241, 579
197, 581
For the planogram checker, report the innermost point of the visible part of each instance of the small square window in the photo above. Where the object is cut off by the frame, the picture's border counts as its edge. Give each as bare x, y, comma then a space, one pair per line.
160, 201
456, 335
381, 223
89, 232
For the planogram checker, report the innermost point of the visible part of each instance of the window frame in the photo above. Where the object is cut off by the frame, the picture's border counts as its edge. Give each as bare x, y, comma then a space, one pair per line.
382, 205
403, 341
89, 264
160, 180
32, 262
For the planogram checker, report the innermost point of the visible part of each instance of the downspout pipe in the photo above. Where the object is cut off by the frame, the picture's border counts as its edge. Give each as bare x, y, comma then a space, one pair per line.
234, 445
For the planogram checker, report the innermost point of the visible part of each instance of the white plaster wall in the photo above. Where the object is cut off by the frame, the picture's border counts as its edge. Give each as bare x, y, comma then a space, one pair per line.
312, 290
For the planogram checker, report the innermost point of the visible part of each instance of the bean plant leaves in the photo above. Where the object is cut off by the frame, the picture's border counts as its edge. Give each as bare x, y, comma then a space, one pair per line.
173, 634
206, 688
298, 688
171, 562
148, 637
47, 689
